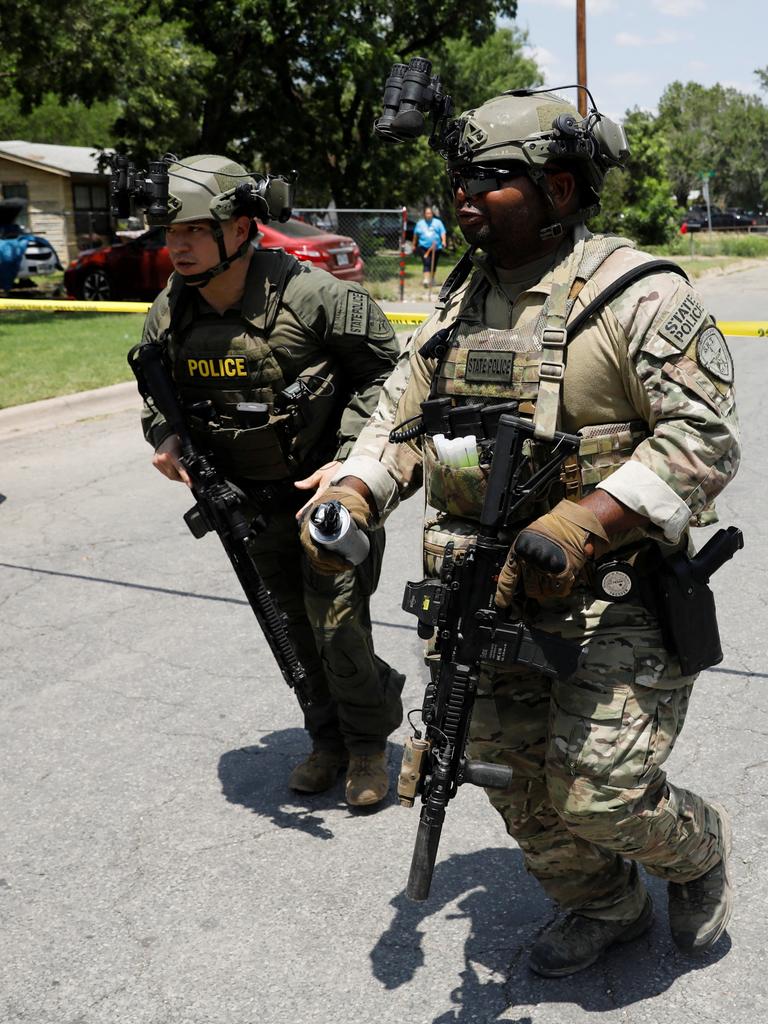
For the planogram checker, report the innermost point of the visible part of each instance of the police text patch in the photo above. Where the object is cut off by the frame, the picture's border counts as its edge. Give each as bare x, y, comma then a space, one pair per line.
713, 356
228, 367
485, 367
683, 322
356, 318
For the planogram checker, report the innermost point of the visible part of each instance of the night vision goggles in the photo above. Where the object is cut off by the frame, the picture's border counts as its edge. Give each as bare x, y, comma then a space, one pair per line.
175, 191
525, 128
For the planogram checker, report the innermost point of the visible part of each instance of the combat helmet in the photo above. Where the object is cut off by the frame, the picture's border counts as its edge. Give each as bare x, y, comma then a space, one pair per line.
206, 187
538, 128
215, 188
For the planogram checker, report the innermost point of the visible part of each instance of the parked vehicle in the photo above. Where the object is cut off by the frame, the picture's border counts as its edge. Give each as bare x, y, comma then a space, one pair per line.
696, 219
29, 255
139, 268
388, 227
134, 269
743, 218
338, 254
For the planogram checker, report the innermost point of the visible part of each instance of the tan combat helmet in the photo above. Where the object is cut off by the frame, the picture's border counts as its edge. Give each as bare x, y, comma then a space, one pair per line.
538, 127
215, 188
205, 187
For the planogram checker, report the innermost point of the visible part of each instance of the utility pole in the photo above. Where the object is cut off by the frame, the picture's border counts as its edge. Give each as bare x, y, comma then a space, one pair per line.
581, 53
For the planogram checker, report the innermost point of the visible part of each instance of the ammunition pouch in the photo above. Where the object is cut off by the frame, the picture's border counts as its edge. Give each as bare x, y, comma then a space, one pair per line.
276, 449
247, 453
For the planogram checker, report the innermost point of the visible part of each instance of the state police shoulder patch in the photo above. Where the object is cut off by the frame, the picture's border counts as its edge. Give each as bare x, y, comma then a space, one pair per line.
682, 323
713, 356
356, 317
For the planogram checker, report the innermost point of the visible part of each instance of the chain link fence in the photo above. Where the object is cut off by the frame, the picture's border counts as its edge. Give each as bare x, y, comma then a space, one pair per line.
382, 236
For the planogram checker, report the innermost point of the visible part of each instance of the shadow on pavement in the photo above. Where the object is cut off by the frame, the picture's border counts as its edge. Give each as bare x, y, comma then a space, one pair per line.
505, 912
257, 778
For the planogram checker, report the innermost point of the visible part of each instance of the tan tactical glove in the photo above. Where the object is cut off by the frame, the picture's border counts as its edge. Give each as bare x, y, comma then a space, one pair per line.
550, 553
322, 560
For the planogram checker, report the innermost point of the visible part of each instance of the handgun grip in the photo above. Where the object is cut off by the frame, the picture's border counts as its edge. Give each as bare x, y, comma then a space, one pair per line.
721, 547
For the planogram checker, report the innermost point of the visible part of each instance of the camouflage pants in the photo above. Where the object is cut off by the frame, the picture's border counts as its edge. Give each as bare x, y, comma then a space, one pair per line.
590, 796
355, 694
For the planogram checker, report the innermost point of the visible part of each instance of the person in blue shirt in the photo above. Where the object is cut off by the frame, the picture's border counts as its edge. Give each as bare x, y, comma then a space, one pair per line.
428, 242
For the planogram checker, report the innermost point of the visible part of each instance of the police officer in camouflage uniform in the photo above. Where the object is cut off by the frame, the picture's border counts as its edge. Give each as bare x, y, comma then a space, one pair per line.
648, 384
243, 324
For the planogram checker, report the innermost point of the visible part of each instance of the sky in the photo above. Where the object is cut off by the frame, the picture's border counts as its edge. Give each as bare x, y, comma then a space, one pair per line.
637, 47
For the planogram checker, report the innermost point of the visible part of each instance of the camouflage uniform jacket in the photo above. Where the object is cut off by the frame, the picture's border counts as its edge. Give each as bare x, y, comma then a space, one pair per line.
652, 355
318, 319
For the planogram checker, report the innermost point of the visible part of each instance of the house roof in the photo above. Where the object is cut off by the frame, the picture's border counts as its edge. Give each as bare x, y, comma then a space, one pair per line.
58, 159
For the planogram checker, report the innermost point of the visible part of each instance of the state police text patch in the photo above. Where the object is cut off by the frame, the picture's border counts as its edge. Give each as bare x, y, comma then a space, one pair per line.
356, 318
681, 325
484, 367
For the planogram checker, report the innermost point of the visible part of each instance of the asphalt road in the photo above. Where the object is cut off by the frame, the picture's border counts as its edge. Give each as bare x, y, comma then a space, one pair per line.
154, 866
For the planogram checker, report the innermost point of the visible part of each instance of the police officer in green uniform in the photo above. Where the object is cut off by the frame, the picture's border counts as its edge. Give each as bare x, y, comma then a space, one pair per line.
248, 325
646, 380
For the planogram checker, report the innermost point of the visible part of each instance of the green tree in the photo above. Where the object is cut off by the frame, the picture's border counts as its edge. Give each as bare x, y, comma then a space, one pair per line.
66, 124
475, 73
638, 202
715, 129
290, 85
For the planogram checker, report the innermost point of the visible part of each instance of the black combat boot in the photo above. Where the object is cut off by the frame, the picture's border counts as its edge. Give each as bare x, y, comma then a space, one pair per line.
700, 910
575, 942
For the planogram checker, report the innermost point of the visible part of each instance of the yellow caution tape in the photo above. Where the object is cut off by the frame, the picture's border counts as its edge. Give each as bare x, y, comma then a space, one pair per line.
744, 328
74, 306
78, 306
734, 328
408, 319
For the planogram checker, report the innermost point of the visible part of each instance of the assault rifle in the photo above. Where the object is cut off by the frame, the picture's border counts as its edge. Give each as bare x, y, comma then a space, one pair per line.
221, 508
459, 610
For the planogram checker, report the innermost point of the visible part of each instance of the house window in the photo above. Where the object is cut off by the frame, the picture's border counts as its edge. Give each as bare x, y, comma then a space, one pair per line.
90, 197
93, 224
15, 190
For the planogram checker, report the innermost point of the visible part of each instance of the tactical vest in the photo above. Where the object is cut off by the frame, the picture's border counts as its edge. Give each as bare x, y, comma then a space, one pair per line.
221, 361
526, 364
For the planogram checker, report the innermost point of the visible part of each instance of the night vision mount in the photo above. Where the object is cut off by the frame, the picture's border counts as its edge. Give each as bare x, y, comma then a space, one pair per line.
270, 197
413, 95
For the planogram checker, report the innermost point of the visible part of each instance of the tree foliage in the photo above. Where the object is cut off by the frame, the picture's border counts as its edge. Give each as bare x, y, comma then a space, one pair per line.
296, 84
715, 129
638, 202
64, 124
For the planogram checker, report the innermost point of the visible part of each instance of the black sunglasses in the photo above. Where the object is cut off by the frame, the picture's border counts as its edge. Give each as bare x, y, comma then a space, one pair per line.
475, 178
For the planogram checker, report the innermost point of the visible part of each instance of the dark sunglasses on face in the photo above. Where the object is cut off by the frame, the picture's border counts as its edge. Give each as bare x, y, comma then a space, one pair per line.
475, 178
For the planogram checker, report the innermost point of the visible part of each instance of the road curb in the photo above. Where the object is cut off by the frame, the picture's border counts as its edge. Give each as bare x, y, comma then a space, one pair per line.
67, 409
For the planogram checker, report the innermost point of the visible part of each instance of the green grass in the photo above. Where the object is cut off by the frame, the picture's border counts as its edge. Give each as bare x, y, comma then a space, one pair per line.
47, 354
719, 243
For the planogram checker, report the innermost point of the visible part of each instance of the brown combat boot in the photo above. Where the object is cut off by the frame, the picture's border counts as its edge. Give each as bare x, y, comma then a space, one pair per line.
367, 779
576, 942
699, 911
319, 772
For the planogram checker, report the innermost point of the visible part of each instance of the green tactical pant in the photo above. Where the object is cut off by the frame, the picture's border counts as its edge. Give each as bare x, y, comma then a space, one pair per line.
355, 694
590, 796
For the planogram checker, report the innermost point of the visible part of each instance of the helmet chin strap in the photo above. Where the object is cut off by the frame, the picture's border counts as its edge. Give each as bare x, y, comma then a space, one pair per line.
557, 226
201, 280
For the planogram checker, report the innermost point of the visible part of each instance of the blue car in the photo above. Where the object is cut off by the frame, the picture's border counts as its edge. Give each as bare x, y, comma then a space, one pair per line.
22, 255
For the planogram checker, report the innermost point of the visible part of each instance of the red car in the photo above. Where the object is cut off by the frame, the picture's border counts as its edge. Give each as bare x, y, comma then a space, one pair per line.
140, 267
